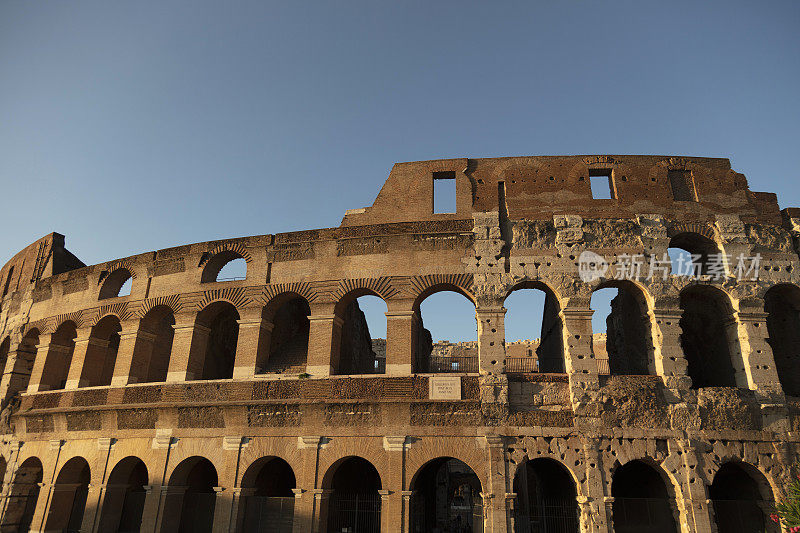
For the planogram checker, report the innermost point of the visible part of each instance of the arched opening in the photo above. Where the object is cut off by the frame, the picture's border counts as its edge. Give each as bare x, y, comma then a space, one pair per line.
267, 502
738, 495
5, 346
355, 503
287, 351
782, 304
23, 495
362, 313
59, 357
124, 497
101, 353
707, 331
546, 498
225, 266
621, 337
446, 496
190, 501
69, 496
26, 356
448, 341
642, 503
118, 283
221, 318
693, 255
153, 346
534, 341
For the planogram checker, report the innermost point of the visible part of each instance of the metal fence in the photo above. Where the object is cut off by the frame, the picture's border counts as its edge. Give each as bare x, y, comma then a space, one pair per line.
264, 514
452, 364
522, 365
739, 516
354, 513
549, 516
643, 515
192, 512
455, 518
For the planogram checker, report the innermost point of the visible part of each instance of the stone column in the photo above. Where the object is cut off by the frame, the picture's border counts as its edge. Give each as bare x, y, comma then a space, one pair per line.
757, 357
87, 359
37, 372
306, 510
580, 362
670, 362
402, 322
42, 507
491, 339
133, 356
494, 499
238, 496
405, 519
222, 509
323, 340
252, 346
696, 498
392, 517
153, 513
224, 513
320, 519
93, 508
188, 349
169, 521
595, 517
511, 510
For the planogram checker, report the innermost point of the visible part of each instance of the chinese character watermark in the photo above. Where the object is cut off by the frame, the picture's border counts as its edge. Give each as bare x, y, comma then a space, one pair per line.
593, 266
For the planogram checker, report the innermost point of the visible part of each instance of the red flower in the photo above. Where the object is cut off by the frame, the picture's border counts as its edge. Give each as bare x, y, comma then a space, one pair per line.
774, 518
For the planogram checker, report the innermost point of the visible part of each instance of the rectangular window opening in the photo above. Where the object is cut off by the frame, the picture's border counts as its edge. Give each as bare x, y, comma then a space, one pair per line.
8, 280
444, 192
602, 184
682, 185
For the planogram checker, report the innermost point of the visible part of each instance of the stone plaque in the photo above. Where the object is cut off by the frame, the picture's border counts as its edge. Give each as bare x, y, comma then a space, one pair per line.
444, 387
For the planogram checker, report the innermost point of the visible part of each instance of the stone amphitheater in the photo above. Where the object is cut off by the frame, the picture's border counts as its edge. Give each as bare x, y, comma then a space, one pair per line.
262, 404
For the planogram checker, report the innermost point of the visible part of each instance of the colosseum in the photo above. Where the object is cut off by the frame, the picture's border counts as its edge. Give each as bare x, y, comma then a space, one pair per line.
196, 403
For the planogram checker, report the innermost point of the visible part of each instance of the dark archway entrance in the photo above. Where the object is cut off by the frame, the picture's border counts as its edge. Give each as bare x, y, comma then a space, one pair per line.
69, 496
190, 502
446, 497
546, 498
124, 500
782, 304
23, 496
355, 503
267, 502
738, 500
642, 503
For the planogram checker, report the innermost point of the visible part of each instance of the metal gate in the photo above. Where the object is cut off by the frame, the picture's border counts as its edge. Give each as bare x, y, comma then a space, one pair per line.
643, 515
739, 516
354, 513
549, 516
196, 511
264, 514
459, 518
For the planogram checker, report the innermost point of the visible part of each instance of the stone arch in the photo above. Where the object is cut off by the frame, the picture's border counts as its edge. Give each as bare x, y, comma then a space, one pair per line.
216, 260
59, 357
267, 499
123, 503
23, 495
355, 499
113, 282
709, 337
26, 356
546, 496
446, 492
284, 348
644, 499
70, 492
549, 352
220, 318
629, 342
191, 498
101, 352
742, 498
153, 346
354, 353
782, 305
698, 241
422, 340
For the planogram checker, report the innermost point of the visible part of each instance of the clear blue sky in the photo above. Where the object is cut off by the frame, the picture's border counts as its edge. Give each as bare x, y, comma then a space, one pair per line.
133, 126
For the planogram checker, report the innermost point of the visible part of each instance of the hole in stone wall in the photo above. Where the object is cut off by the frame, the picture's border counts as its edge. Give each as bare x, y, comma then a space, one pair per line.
444, 192
533, 331
447, 334
363, 337
619, 326
602, 184
782, 304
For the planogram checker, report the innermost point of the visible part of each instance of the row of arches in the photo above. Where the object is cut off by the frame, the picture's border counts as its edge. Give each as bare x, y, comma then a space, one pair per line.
446, 496
709, 338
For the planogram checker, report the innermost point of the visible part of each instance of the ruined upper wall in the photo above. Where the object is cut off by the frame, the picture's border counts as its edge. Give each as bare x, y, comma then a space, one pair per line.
536, 188
41, 259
